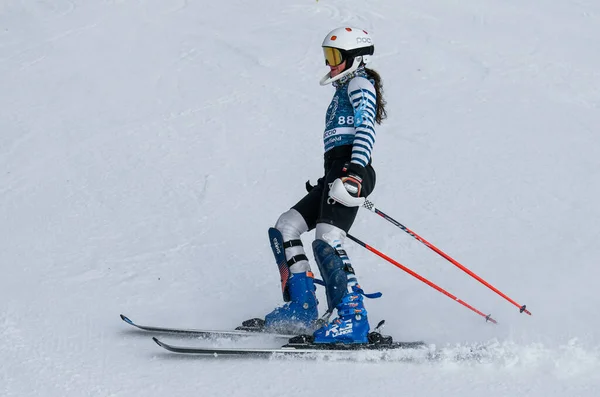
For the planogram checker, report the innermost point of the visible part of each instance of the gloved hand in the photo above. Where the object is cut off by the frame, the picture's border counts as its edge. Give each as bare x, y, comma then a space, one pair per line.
352, 176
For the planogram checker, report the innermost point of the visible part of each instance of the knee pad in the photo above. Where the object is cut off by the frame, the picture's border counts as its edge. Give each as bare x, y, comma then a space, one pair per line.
291, 225
285, 243
332, 235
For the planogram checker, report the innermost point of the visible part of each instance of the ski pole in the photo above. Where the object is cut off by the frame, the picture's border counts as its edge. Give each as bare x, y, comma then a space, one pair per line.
371, 207
488, 317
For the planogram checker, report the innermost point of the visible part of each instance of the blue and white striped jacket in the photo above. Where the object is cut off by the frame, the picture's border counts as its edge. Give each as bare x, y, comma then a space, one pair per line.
350, 118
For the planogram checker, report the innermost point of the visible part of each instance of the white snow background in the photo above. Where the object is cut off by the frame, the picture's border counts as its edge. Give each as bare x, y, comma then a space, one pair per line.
146, 147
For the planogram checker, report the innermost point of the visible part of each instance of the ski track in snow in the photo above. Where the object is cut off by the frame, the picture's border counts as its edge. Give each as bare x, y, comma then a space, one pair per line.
569, 360
147, 146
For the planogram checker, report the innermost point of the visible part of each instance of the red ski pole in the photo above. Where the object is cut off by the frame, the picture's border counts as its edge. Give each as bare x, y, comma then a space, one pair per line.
371, 207
488, 317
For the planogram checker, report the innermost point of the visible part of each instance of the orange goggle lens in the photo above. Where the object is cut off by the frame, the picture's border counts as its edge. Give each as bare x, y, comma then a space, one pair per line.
333, 56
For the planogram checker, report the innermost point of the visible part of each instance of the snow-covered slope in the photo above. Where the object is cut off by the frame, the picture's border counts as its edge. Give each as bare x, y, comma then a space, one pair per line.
146, 147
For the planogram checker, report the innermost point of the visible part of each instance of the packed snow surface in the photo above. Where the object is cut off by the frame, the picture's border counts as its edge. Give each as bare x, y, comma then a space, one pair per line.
147, 146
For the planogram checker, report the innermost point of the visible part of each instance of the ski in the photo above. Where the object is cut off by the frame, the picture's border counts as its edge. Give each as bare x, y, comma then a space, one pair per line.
290, 349
201, 333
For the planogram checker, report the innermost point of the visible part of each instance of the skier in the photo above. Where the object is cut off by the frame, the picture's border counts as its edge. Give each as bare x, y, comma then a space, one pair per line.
349, 137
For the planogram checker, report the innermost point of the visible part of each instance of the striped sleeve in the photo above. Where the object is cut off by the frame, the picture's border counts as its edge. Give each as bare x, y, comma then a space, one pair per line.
363, 98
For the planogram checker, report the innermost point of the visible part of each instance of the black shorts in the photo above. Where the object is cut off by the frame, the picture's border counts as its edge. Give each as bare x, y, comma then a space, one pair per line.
314, 207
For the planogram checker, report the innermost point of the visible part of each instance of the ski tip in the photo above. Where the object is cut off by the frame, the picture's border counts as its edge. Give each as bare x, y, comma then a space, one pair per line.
126, 319
155, 339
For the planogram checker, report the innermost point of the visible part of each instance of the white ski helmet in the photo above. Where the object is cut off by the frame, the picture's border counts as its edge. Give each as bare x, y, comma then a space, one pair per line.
353, 45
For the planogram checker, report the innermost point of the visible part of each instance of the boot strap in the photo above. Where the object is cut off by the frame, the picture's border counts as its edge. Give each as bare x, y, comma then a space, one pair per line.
350, 312
292, 243
359, 290
296, 259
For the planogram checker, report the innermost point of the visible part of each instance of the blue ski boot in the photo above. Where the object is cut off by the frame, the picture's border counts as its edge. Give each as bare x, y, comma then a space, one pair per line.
351, 325
343, 294
299, 315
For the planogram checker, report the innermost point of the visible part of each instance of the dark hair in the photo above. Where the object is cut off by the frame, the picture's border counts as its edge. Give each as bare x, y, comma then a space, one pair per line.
381, 112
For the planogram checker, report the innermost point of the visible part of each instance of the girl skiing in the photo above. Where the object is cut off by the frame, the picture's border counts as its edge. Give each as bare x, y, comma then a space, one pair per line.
331, 206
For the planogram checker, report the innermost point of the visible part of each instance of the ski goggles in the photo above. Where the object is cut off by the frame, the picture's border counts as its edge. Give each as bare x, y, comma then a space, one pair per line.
333, 56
